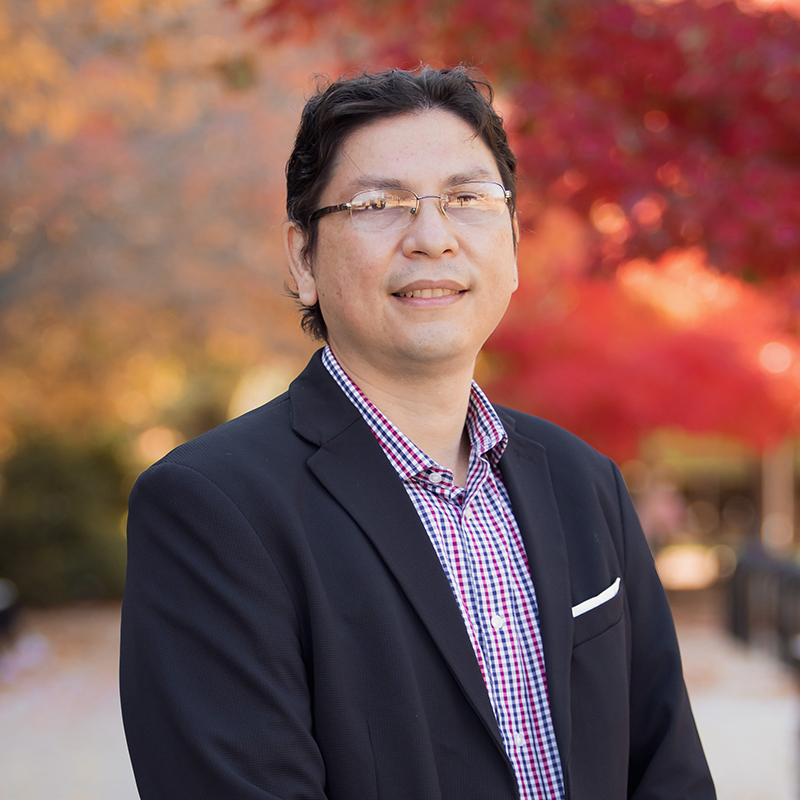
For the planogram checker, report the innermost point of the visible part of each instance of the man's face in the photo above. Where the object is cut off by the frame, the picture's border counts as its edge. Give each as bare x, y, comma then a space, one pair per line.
372, 285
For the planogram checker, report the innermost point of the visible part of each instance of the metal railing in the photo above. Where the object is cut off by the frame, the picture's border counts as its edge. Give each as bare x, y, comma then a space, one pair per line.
764, 603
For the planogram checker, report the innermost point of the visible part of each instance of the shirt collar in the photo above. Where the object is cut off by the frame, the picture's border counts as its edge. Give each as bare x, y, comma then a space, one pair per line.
487, 435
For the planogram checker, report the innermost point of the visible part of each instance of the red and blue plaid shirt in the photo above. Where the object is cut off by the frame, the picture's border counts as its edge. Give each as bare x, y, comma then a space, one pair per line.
477, 540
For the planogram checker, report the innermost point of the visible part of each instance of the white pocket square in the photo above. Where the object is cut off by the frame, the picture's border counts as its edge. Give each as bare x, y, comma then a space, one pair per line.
597, 600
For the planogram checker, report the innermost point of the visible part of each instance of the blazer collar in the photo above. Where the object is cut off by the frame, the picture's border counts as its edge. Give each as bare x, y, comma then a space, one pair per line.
320, 410
527, 479
352, 467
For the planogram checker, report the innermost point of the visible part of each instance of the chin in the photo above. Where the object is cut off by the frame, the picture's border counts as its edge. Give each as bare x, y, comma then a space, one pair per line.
435, 350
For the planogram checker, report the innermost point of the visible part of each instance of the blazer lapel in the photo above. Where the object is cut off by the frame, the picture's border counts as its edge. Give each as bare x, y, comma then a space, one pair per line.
353, 468
527, 478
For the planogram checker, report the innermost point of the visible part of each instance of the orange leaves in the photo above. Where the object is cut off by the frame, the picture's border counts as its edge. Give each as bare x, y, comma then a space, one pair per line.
117, 13
34, 77
142, 146
136, 62
30, 62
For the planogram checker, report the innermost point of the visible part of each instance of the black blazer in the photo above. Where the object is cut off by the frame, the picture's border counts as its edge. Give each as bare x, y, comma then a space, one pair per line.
288, 631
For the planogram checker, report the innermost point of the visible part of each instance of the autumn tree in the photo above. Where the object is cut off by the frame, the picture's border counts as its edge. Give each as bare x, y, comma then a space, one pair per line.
141, 152
141, 149
660, 174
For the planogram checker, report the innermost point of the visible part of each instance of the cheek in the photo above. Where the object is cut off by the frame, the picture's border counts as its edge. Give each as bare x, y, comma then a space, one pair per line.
352, 262
345, 277
501, 256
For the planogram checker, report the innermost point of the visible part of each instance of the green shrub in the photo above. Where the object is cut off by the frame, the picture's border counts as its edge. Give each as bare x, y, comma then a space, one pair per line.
60, 512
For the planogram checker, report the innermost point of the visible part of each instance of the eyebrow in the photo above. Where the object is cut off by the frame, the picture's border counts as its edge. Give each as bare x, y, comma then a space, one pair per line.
381, 182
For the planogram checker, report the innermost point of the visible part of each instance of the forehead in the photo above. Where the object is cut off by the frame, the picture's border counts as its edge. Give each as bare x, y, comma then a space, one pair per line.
421, 151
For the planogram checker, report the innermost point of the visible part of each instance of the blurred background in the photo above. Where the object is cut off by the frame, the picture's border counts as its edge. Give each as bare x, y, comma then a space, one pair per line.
142, 147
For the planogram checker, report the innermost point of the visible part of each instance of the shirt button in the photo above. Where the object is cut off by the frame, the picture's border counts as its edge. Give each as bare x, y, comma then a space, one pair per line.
519, 739
497, 622
435, 477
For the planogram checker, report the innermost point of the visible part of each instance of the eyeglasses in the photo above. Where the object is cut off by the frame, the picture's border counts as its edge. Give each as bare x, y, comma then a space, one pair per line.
467, 203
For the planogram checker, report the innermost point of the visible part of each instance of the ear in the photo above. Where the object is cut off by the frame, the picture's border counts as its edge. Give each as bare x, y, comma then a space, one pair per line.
294, 240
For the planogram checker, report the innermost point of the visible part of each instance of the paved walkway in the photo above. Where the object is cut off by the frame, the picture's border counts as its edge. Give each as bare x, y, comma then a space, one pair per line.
61, 736
60, 729
746, 707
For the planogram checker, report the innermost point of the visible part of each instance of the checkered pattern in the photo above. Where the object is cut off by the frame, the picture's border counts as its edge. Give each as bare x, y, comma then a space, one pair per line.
478, 543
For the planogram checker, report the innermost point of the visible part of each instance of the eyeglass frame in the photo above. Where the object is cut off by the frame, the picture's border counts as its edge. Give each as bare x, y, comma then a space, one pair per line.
321, 212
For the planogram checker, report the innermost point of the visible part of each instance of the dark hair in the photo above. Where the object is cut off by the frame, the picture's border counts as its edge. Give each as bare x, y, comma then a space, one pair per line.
341, 107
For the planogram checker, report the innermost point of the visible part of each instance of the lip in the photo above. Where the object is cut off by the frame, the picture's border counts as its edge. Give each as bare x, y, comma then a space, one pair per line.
443, 291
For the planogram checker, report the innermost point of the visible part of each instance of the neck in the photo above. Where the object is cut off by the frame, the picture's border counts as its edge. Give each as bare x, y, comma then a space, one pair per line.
428, 406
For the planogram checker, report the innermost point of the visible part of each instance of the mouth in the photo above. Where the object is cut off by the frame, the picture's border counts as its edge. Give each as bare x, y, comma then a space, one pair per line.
428, 293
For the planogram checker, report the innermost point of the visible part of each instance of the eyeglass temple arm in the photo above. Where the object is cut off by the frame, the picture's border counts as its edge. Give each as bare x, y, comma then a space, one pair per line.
321, 212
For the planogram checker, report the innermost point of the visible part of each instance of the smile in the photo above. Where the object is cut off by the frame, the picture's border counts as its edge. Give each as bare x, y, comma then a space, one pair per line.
425, 293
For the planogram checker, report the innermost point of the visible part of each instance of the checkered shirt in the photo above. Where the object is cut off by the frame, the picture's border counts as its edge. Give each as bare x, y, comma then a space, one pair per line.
477, 540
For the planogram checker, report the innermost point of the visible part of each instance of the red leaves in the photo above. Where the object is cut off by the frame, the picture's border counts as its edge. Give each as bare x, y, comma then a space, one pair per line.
615, 92
671, 344
662, 126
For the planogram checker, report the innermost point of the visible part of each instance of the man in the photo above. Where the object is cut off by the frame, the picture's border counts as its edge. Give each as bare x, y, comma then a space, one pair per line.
378, 585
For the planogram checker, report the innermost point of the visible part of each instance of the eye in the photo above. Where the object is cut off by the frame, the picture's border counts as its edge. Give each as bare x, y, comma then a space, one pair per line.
368, 202
464, 197
473, 202
382, 209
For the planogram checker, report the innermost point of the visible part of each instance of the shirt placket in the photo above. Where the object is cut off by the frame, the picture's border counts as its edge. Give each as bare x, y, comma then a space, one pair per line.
499, 642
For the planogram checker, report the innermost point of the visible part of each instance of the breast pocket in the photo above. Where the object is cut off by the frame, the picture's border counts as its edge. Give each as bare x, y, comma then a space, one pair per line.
597, 614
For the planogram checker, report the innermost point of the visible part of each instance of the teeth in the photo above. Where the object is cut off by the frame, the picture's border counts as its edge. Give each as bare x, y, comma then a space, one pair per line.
425, 293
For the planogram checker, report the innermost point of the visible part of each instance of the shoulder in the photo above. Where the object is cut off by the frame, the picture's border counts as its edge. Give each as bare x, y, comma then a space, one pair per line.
266, 427
561, 445
575, 468
251, 447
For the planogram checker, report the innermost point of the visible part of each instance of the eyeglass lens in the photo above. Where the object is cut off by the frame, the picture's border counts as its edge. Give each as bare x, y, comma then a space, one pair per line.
466, 204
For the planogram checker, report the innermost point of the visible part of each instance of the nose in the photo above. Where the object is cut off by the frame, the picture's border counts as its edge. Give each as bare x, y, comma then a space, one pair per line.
430, 233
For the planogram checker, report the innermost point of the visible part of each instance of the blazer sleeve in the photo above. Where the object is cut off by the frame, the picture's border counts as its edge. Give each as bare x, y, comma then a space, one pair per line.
214, 687
666, 756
